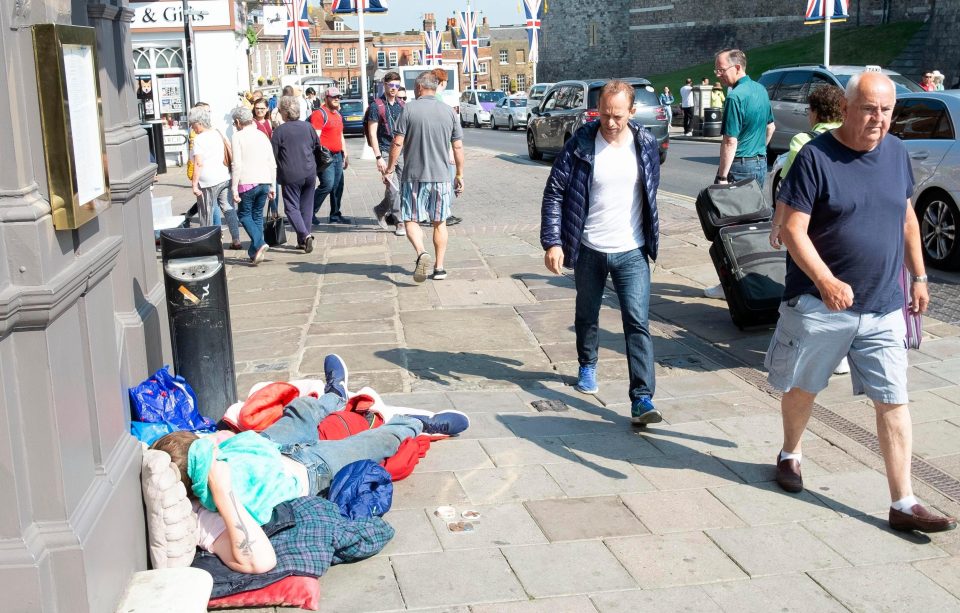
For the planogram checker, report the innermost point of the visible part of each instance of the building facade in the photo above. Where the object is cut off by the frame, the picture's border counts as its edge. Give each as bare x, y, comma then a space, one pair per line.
510, 70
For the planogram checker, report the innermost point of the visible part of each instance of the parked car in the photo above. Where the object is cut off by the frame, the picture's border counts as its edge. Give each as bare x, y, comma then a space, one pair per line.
352, 111
510, 113
476, 104
568, 105
537, 91
790, 86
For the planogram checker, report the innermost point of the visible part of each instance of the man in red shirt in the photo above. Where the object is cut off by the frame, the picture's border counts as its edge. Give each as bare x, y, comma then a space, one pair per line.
328, 123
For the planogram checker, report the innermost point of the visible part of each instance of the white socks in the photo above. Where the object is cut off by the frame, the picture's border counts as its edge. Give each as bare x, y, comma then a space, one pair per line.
789, 456
905, 504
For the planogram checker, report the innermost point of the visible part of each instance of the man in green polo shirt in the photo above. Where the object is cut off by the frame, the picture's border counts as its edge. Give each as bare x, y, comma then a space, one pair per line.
746, 129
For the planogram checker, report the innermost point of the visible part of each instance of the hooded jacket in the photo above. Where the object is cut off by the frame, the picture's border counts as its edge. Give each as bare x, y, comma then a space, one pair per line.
566, 197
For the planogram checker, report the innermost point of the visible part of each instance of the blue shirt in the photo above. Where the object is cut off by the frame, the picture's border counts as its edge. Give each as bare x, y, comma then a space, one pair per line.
385, 132
746, 114
857, 202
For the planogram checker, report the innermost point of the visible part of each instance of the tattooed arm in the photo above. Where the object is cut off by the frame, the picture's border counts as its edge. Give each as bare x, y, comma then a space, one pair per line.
243, 546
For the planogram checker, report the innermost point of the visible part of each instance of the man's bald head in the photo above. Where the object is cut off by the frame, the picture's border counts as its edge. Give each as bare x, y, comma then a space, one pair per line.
869, 81
867, 109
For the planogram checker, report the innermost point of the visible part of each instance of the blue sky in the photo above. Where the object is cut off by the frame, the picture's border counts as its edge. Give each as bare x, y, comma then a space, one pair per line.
408, 14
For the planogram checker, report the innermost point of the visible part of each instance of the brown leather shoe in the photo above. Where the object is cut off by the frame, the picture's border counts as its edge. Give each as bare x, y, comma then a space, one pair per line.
921, 520
788, 475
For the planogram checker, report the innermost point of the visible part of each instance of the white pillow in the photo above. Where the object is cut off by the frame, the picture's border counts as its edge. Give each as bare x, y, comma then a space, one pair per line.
171, 522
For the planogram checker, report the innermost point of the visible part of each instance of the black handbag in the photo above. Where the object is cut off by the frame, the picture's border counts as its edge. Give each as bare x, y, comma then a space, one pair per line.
274, 231
324, 158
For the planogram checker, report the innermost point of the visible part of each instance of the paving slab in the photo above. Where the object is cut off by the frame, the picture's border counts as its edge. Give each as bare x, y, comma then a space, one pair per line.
613, 446
469, 576
513, 483
597, 477
421, 490
668, 560
474, 369
476, 329
560, 424
584, 518
689, 471
498, 526
851, 493
680, 511
357, 357
361, 587
453, 454
894, 587
765, 503
483, 292
867, 539
776, 549
557, 569
929, 406
486, 426
412, 532
430, 401
690, 599
561, 604
944, 572
936, 438
711, 407
791, 593
350, 313
512, 451
690, 438
488, 402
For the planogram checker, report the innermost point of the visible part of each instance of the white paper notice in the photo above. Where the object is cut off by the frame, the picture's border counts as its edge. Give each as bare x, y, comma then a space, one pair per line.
84, 121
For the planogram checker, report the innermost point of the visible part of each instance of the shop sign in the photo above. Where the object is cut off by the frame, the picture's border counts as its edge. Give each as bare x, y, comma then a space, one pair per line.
169, 14
171, 95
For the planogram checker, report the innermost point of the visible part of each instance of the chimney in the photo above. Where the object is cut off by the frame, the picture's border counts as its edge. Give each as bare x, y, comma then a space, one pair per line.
429, 22
451, 23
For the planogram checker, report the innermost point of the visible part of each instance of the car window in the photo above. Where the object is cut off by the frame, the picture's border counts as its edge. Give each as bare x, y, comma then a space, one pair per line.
643, 95
576, 97
352, 107
793, 87
491, 96
550, 102
819, 80
769, 80
516, 102
902, 84
921, 120
465, 97
562, 97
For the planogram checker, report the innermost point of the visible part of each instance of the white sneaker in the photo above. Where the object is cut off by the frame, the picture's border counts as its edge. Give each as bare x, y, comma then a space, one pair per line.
843, 368
715, 292
401, 230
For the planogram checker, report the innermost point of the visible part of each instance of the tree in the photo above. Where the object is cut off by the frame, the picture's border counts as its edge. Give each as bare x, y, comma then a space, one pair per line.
251, 36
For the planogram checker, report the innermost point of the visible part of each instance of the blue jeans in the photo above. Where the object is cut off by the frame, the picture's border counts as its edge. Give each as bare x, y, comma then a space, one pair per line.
296, 433
749, 169
331, 182
631, 280
250, 212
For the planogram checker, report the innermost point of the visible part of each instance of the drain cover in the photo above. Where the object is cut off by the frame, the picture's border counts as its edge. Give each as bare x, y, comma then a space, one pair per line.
549, 405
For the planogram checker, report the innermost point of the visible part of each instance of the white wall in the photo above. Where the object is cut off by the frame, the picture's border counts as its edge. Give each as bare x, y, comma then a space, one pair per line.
216, 55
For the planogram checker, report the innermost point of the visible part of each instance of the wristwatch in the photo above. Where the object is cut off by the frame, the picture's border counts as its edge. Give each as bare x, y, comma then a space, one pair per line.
379, 157
918, 278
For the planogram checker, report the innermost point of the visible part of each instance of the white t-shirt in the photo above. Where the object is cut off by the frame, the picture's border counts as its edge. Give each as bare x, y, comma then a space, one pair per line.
208, 146
614, 221
686, 96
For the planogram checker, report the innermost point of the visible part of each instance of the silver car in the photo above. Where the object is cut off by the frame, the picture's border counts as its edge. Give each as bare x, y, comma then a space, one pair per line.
509, 113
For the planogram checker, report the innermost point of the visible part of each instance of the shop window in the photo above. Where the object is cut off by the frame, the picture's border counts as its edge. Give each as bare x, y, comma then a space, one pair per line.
141, 60
340, 58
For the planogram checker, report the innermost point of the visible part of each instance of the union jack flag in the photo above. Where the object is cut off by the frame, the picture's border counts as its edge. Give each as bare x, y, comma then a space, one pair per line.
433, 47
817, 11
296, 49
534, 11
469, 41
369, 6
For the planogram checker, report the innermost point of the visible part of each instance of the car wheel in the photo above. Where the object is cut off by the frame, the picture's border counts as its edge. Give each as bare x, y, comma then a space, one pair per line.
493, 122
663, 157
939, 217
510, 125
532, 151
476, 121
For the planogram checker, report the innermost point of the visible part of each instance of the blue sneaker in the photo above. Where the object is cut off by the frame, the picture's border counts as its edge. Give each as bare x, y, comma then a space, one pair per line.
587, 380
335, 371
450, 423
642, 412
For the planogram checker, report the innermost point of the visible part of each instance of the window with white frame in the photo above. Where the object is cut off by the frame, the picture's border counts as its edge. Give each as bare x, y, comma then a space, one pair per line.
353, 56
314, 67
394, 59
328, 56
381, 59
338, 26
342, 83
267, 63
504, 56
484, 68
445, 46
366, 55
504, 82
521, 82
340, 57
355, 84
279, 62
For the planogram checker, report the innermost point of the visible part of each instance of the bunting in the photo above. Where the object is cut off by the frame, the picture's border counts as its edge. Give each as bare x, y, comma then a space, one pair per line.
296, 46
817, 11
369, 6
534, 13
469, 41
433, 47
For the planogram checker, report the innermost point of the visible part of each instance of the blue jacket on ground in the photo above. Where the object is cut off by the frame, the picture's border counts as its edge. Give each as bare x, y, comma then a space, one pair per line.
362, 489
566, 198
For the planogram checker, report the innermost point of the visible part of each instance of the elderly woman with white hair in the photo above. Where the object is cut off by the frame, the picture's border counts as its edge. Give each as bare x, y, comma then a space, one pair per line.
296, 147
211, 174
254, 173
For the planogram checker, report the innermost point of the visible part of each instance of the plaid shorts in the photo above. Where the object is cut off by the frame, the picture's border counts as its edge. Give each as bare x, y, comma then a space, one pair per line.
425, 201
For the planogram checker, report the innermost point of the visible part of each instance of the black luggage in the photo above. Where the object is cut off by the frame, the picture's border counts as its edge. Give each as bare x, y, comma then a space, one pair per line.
751, 273
274, 232
730, 204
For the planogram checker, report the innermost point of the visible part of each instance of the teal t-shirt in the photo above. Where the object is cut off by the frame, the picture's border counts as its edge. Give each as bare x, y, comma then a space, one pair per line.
745, 117
258, 476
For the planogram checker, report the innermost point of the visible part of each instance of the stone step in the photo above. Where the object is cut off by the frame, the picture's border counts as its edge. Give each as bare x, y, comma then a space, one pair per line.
185, 590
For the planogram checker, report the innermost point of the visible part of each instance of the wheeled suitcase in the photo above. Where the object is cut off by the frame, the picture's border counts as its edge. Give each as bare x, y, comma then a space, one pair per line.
751, 273
731, 204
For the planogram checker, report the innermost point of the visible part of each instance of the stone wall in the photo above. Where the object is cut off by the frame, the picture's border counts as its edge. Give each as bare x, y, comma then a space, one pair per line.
942, 51
642, 37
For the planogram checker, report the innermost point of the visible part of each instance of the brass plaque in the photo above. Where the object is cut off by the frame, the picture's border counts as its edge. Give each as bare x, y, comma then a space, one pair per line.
71, 114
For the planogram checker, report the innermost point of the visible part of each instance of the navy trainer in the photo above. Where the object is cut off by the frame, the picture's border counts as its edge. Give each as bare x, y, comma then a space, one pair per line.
335, 371
450, 422
642, 412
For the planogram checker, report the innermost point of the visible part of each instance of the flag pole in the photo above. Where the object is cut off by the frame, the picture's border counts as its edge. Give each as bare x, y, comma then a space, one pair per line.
826, 42
367, 153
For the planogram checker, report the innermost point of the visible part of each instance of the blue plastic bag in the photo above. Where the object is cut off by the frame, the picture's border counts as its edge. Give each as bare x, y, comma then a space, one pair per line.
362, 489
149, 433
164, 398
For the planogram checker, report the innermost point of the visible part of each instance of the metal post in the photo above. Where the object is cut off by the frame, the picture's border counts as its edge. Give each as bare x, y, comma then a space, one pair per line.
826, 42
188, 49
367, 153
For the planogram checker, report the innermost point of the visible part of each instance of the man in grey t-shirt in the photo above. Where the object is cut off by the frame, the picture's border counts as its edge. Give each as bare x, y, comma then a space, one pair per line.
424, 134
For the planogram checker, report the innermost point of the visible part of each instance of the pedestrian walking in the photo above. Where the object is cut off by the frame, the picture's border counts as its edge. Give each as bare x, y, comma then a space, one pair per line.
328, 122
927, 82
296, 148
599, 217
211, 174
937, 80
666, 101
254, 174
441, 75
746, 128
381, 120
849, 229
686, 105
717, 97
426, 130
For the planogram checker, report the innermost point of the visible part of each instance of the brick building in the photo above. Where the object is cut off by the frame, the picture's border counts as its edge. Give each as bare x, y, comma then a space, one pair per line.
509, 66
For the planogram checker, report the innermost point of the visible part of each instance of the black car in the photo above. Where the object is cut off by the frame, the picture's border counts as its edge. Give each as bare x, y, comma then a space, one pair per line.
352, 111
567, 105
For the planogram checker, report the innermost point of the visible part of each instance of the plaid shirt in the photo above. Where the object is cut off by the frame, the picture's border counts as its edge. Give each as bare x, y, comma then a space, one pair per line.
308, 535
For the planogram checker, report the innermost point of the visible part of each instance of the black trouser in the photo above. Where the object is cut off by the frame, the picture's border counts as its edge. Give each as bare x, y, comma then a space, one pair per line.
687, 119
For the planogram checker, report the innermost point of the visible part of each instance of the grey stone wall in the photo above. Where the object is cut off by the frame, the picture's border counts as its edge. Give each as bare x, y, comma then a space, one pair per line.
82, 317
942, 51
641, 37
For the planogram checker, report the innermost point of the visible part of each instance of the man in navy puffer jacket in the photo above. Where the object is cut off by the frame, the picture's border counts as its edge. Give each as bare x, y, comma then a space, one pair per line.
599, 217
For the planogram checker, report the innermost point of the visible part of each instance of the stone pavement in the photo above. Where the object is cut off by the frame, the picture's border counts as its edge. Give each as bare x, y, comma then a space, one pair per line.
579, 512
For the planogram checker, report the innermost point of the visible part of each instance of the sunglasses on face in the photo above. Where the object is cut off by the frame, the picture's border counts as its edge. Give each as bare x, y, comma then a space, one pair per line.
334, 97
393, 85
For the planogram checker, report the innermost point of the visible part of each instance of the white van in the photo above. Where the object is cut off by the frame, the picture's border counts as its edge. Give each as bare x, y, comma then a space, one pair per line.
409, 74
477, 104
